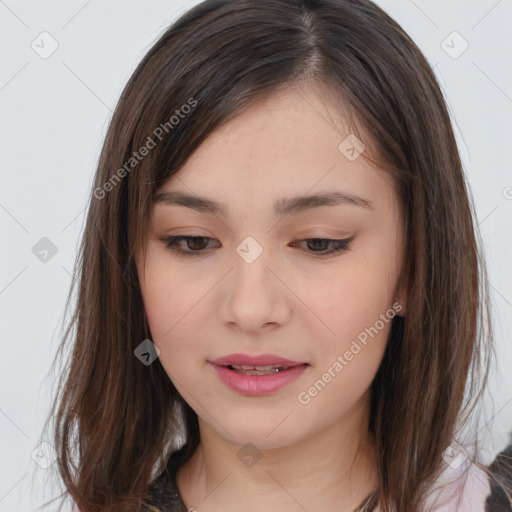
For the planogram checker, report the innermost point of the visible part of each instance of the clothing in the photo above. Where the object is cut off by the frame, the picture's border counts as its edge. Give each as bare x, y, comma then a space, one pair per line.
164, 495
463, 491
471, 488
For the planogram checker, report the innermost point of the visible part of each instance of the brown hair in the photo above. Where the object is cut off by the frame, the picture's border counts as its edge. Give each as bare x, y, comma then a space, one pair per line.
116, 419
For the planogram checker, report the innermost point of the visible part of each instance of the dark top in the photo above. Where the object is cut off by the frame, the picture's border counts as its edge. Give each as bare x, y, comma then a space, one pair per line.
164, 495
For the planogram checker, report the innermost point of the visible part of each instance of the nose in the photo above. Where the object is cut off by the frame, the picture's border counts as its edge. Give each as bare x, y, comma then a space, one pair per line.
255, 296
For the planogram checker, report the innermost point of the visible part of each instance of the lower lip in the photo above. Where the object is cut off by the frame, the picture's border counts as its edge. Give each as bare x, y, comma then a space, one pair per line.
257, 384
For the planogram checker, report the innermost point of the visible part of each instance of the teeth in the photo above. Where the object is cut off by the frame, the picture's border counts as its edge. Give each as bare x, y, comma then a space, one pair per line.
258, 368
256, 372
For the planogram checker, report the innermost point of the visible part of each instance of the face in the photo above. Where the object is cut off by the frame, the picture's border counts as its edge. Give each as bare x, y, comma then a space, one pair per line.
257, 278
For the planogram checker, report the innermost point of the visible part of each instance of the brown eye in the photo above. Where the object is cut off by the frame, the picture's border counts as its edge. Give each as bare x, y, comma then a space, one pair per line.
320, 245
194, 244
197, 245
198, 242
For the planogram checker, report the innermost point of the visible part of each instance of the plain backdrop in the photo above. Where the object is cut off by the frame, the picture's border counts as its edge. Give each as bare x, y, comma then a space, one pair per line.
54, 113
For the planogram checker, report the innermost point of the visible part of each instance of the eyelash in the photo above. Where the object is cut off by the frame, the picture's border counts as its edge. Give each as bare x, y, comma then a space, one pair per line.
340, 246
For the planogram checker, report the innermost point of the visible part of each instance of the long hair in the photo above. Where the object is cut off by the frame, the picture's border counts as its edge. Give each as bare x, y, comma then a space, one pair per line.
115, 419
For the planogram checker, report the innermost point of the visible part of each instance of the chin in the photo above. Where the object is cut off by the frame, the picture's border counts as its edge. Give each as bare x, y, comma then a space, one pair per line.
263, 435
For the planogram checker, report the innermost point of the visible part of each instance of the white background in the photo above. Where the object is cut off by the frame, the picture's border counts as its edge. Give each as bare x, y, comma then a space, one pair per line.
54, 114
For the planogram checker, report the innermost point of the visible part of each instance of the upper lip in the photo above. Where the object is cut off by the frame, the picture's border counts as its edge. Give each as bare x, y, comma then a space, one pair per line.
259, 360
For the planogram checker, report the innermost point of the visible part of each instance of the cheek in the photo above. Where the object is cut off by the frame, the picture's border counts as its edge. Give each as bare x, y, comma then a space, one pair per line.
167, 299
350, 300
173, 322
356, 319
347, 362
166, 312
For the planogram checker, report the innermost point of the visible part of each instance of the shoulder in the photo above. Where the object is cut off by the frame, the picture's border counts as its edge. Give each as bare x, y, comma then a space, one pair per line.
464, 487
163, 495
502, 471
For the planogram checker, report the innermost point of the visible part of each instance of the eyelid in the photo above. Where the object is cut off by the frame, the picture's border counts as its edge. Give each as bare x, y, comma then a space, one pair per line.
340, 245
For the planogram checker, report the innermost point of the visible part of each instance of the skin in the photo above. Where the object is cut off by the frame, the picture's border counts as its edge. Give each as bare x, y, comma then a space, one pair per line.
289, 301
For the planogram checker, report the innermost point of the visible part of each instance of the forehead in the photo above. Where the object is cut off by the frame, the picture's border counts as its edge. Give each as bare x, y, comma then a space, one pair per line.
292, 143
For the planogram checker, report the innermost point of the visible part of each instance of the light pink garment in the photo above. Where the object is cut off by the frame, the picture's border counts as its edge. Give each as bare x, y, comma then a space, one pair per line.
458, 491
464, 492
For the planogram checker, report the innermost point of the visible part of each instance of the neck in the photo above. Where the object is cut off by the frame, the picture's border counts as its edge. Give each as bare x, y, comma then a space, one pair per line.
331, 470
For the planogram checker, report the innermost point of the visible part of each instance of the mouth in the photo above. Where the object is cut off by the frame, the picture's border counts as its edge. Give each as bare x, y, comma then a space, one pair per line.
258, 380
263, 364
258, 370
257, 374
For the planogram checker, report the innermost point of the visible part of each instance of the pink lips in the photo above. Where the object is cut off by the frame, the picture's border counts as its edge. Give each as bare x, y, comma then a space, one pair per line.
256, 384
260, 360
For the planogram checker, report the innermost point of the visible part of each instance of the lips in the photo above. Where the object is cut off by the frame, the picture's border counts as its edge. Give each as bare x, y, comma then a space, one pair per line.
257, 375
261, 360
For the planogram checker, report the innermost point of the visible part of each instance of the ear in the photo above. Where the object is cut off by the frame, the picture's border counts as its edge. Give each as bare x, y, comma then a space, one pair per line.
401, 300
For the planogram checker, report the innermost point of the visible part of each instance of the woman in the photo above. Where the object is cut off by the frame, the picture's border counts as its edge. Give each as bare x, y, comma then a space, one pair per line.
280, 282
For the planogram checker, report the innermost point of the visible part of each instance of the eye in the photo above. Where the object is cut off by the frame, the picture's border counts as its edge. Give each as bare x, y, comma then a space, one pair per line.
196, 245
320, 245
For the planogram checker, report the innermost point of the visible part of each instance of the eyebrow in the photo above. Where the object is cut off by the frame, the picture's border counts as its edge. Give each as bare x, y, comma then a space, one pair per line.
283, 206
